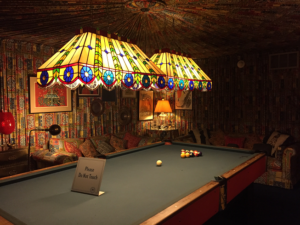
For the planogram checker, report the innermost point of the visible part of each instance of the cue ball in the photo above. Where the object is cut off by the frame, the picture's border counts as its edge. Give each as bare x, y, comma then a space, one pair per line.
159, 162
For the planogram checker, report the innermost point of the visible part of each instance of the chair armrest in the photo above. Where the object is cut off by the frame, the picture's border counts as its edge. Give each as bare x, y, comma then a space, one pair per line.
291, 162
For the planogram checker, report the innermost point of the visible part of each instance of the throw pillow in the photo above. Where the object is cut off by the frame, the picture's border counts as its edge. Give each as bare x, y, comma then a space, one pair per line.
87, 149
146, 141
95, 139
272, 140
280, 140
239, 141
54, 144
120, 134
104, 147
133, 141
118, 143
71, 147
217, 138
197, 135
251, 139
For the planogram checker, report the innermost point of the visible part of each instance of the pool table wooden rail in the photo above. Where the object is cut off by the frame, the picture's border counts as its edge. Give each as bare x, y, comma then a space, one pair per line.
202, 204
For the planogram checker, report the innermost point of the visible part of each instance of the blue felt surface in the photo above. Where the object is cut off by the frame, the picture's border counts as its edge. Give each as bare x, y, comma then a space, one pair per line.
135, 188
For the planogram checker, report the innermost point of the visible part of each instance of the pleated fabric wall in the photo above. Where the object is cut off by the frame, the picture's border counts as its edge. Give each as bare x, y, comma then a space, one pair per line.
253, 99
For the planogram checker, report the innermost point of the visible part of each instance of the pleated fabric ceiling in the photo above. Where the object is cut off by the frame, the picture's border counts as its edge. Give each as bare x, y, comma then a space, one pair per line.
94, 60
182, 72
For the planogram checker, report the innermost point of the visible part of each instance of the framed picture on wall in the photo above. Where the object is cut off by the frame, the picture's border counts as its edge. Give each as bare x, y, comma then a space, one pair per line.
146, 109
82, 91
43, 100
109, 96
128, 93
184, 100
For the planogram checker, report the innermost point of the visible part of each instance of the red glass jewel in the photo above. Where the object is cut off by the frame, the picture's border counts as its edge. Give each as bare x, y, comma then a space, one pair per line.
7, 123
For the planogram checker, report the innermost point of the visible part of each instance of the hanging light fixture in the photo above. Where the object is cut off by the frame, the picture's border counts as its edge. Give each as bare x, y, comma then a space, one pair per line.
181, 70
94, 60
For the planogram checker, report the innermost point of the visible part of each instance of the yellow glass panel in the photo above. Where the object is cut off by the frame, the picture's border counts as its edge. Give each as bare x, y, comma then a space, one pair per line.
84, 55
150, 63
123, 65
153, 57
69, 58
169, 67
106, 45
38, 77
88, 39
140, 52
50, 74
93, 41
183, 64
52, 61
76, 55
61, 72
110, 61
100, 44
81, 41
203, 74
76, 73
178, 68
67, 45
164, 61
137, 61
128, 65
116, 46
105, 60
127, 47
91, 57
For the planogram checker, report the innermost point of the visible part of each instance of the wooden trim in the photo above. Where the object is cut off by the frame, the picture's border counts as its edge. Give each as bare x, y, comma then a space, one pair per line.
242, 166
182, 203
4, 221
35, 171
176, 207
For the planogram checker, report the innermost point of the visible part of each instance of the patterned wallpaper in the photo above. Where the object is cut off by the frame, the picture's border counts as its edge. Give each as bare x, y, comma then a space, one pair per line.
20, 59
250, 99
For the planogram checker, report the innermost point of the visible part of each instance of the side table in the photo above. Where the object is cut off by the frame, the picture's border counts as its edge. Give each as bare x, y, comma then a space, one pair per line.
163, 133
13, 161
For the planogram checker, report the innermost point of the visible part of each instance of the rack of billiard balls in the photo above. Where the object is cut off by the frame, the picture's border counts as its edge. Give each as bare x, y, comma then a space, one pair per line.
190, 153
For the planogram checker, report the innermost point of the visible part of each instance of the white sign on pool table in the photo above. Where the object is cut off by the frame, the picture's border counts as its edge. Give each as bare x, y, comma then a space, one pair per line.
88, 175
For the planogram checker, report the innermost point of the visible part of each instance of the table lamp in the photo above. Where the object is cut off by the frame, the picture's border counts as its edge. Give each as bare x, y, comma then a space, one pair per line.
163, 106
53, 130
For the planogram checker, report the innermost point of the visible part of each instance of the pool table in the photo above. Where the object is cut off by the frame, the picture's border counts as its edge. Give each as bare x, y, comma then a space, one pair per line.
137, 191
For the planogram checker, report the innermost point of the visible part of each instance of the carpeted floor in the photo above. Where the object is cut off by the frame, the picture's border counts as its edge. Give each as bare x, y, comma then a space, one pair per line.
271, 205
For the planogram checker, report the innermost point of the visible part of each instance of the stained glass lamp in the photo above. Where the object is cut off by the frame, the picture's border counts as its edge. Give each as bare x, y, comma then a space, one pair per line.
181, 70
91, 59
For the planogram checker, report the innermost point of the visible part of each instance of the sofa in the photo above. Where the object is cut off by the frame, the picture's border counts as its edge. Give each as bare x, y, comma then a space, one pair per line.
64, 150
283, 152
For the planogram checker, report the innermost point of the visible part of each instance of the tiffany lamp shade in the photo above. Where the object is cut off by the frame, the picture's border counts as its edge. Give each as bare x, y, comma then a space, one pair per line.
94, 60
181, 70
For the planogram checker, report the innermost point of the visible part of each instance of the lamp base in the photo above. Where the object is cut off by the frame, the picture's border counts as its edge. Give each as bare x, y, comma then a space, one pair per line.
10, 146
163, 127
